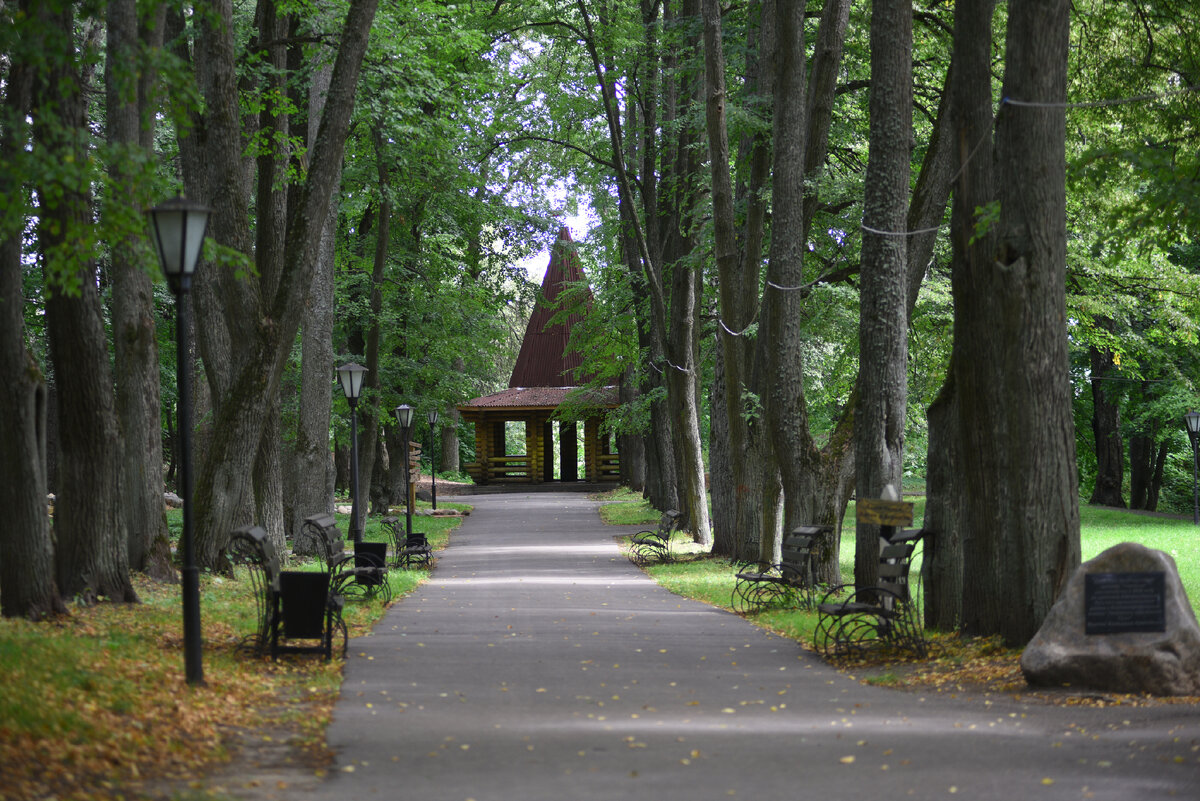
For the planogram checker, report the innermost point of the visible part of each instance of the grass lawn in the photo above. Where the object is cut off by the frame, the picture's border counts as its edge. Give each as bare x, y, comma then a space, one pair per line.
96, 702
711, 580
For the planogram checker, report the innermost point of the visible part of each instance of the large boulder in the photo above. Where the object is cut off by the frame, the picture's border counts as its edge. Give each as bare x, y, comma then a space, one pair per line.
1160, 663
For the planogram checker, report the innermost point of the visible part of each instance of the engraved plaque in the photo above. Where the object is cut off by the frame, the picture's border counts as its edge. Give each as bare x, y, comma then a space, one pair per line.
1116, 603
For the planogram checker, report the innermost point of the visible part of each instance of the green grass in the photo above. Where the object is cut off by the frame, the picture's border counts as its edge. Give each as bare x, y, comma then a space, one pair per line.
623, 507
711, 580
1103, 527
436, 529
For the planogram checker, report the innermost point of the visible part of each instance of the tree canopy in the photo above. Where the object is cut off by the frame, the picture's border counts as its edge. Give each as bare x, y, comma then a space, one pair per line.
773, 206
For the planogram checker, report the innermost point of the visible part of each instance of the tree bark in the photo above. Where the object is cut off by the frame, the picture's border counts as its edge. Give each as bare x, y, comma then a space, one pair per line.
1106, 432
369, 418
1016, 431
1146, 460
632, 447
135, 344
91, 555
661, 224
263, 324
271, 207
827, 63
751, 519
313, 456
942, 568
448, 456
883, 315
815, 481
27, 585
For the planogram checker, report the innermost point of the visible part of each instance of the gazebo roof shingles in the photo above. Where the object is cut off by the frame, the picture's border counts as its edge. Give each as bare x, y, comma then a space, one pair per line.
536, 398
544, 360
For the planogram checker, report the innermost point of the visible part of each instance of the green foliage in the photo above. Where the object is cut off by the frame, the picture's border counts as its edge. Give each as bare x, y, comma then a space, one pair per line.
625, 508
986, 217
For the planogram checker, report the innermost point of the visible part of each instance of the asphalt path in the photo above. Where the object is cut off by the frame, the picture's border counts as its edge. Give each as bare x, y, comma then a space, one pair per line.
538, 663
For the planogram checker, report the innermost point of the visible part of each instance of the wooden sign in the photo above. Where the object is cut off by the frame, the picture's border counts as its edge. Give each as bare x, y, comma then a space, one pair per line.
876, 511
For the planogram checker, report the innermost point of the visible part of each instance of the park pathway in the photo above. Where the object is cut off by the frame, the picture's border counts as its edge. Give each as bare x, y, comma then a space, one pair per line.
538, 663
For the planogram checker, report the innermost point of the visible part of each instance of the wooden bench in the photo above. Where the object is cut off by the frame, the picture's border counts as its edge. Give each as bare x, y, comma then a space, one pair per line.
655, 546
882, 617
790, 583
412, 550
292, 606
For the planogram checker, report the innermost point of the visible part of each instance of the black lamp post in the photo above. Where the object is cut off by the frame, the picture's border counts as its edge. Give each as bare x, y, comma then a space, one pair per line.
351, 378
1192, 419
177, 229
404, 416
433, 418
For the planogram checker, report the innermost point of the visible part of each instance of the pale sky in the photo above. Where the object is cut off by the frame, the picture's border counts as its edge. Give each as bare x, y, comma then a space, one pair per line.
579, 225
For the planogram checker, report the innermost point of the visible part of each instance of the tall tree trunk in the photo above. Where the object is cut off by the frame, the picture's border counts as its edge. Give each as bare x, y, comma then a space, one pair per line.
271, 208
942, 567
91, 555
750, 470
781, 347
263, 324
682, 394
1146, 460
1106, 431
631, 446
647, 236
822, 86
879, 417
720, 465
1141, 470
369, 419
448, 455
1156, 479
27, 585
135, 341
313, 456
1017, 444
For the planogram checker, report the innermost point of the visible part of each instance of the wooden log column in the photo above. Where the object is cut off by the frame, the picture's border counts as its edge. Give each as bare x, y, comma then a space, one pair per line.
483, 449
547, 452
591, 448
534, 450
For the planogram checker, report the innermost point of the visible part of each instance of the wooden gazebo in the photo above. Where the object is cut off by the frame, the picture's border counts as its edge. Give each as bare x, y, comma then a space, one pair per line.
541, 380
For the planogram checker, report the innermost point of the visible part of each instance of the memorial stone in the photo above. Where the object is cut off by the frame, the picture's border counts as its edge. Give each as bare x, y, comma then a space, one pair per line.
1123, 624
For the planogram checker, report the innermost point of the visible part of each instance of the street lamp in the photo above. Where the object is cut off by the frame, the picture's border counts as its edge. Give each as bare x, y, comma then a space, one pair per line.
1192, 419
351, 378
404, 416
433, 418
177, 229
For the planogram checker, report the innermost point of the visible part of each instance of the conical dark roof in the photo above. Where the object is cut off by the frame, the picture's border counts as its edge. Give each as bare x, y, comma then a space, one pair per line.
544, 360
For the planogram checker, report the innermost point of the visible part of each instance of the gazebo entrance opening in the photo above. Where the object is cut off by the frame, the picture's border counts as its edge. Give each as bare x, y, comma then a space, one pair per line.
529, 446
563, 450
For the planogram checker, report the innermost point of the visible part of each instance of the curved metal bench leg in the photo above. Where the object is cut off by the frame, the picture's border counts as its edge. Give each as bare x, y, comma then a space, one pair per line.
742, 599
773, 593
